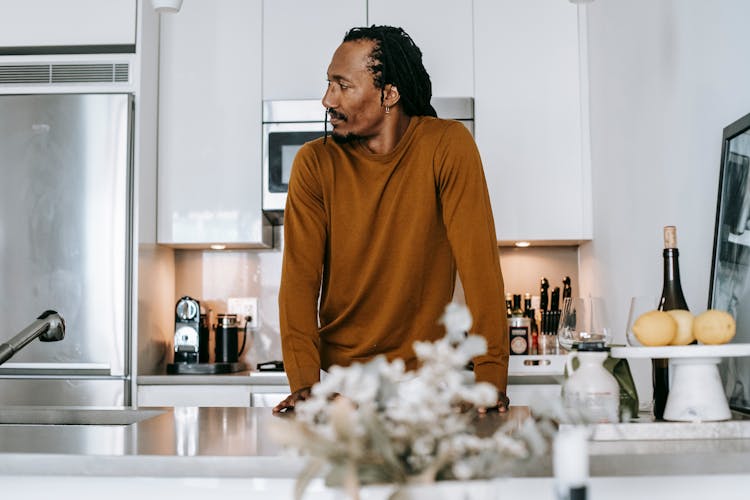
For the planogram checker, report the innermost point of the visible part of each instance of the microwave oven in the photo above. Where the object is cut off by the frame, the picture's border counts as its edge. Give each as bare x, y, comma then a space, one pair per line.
288, 124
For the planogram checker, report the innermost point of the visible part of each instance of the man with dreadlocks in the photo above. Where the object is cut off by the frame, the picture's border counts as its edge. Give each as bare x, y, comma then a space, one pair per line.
379, 219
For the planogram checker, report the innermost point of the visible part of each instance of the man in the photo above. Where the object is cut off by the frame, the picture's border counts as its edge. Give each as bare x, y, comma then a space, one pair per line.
378, 220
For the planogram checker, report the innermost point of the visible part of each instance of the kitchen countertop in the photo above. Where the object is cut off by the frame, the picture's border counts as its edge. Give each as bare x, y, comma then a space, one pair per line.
236, 443
180, 442
523, 370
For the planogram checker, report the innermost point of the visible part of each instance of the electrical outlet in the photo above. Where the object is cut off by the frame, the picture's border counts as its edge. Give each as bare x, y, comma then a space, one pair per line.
244, 307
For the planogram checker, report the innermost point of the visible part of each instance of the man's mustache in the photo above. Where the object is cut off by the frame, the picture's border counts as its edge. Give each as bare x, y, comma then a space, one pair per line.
335, 114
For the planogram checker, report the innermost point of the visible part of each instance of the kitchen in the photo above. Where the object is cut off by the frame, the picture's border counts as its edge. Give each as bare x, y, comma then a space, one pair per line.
658, 99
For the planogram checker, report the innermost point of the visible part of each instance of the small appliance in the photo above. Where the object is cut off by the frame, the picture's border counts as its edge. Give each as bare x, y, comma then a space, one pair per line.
192, 338
226, 339
289, 124
187, 330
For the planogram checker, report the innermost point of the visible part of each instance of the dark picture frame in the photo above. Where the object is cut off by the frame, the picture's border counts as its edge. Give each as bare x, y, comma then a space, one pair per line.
729, 288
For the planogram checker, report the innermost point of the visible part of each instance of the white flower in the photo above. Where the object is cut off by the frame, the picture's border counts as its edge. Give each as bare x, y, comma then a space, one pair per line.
457, 321
387, 424
481, 394
343, 417
473, 346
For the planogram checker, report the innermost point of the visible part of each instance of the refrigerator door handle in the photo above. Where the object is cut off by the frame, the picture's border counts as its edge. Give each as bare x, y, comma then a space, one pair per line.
61, 369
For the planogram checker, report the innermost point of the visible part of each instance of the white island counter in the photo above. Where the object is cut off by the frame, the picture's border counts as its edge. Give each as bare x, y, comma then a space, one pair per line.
194, 452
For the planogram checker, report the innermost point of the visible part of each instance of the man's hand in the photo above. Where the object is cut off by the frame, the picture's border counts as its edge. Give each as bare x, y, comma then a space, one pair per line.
291, 400
502, 404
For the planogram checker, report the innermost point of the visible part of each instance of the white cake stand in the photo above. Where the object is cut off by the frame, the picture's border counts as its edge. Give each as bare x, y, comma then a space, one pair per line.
696, 392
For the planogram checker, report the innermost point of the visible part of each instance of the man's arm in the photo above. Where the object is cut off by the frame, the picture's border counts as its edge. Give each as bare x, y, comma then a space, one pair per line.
468, 219
305, 236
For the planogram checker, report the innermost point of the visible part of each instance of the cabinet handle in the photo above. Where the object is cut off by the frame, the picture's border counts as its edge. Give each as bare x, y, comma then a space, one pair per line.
536, 362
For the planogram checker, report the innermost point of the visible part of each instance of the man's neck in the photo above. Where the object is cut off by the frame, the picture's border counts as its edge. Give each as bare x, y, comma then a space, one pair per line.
394, 130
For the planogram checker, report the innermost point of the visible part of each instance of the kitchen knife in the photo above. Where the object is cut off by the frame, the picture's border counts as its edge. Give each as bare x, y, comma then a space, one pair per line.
543, 298
555, 300
567, 290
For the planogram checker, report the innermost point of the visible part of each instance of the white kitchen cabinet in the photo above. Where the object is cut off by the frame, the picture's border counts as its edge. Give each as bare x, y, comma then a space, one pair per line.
268, 396
209, 164
212, 395
299, 38
194, 395
53, 23
531, 122
442, 29
298, 41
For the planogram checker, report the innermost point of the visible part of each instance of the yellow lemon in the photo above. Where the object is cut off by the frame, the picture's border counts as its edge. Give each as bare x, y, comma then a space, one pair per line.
714, 327
684, 321
655, 328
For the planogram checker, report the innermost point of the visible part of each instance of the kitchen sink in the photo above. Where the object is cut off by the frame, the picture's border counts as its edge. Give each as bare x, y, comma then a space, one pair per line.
55, 415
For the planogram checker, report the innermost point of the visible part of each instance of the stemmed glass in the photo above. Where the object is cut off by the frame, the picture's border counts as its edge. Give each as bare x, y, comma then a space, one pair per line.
583, 319
638, 306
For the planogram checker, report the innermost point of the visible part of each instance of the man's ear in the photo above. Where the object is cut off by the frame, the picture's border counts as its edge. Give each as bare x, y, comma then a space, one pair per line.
392, 95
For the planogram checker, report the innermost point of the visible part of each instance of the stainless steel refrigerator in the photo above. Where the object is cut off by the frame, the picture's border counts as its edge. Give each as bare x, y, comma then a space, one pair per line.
65, 237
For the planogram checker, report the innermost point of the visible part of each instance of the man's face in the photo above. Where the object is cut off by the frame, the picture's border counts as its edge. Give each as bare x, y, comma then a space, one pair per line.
352, 99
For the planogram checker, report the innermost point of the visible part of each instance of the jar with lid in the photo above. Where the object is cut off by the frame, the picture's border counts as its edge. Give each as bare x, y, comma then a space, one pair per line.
591, 390
519, 327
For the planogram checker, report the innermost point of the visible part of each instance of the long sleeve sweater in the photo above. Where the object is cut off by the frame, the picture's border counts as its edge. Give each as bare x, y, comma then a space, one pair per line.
372, 243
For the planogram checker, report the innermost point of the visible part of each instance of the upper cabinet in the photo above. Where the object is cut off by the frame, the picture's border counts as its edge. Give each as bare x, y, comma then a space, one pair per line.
209, 180
298, 42
442, 29
37, 24
524, 62
531, 118
299, 38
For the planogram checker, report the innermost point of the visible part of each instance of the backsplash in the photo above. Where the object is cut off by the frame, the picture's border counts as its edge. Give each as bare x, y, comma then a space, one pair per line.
213, 276
523, 268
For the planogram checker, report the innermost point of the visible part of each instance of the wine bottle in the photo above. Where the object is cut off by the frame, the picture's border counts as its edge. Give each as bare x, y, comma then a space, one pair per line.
671, 298
533, 329
508, 305
671, 294
526, 303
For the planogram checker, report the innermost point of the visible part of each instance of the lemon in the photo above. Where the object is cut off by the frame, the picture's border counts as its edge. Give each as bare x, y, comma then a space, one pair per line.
655, 328
684, 321
714, 327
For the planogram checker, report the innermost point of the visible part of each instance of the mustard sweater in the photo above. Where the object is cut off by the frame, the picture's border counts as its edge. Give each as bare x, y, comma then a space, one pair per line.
372, 244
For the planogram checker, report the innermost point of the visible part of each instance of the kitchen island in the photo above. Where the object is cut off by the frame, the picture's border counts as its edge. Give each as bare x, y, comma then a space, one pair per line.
194, 450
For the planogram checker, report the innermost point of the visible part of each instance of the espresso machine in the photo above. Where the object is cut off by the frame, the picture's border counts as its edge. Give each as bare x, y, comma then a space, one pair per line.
187, 331
191, 342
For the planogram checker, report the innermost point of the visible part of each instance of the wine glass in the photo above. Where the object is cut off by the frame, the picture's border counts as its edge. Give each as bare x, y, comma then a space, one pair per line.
638, 306
583, 319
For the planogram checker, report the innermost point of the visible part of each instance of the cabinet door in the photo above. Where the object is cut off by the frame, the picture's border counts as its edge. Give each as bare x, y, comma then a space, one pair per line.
193, 395
209, 181
268, 395
299, 38
51, 23
442, 29
529, 124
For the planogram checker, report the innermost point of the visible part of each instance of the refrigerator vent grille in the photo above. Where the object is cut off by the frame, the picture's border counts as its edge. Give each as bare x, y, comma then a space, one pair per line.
64, 73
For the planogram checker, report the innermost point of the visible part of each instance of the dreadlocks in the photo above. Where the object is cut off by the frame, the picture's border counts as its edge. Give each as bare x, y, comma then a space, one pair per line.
396, 60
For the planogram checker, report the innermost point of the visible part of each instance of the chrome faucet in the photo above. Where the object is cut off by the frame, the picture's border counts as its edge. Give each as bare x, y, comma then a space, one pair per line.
49, 327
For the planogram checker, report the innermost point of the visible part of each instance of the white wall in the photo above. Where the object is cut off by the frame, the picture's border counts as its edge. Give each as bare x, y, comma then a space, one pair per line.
153, 300
665, 78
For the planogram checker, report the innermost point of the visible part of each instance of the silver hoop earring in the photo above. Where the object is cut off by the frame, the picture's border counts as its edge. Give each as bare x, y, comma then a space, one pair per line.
387, 110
